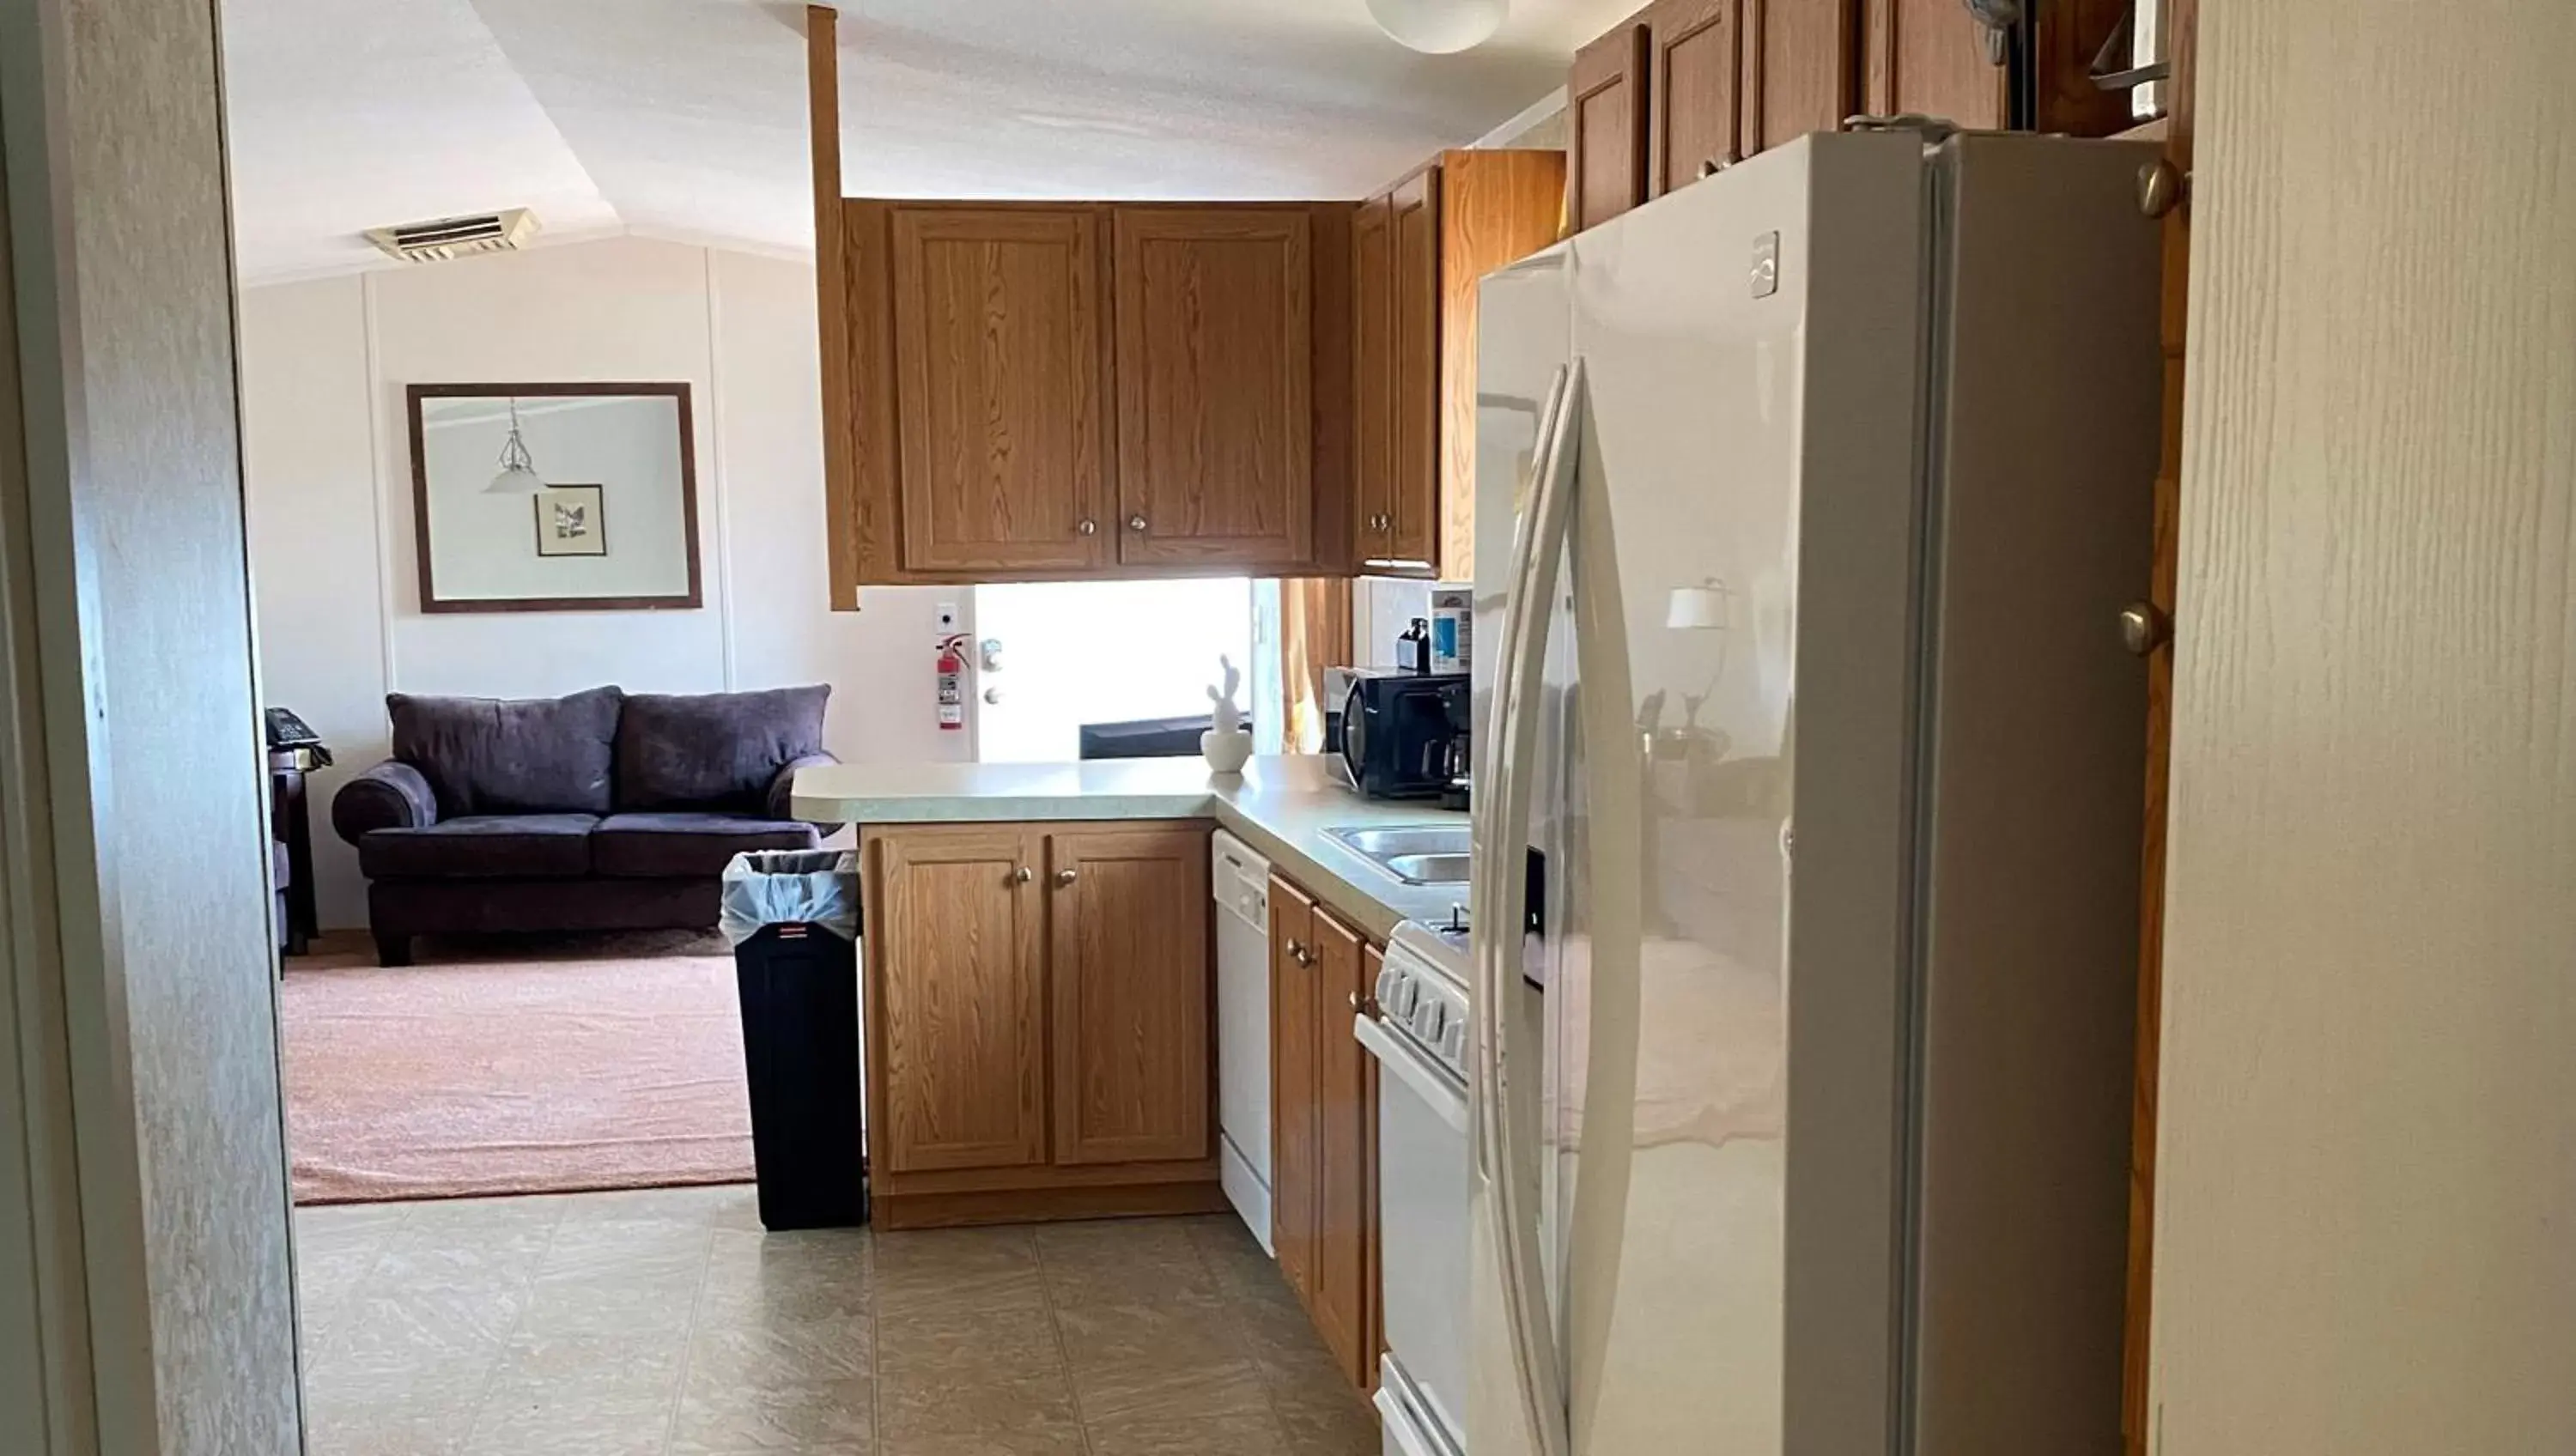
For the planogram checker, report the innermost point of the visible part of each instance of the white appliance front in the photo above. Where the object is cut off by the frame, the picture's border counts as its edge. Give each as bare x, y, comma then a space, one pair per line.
1240, 881
1424, 1174
1656, 675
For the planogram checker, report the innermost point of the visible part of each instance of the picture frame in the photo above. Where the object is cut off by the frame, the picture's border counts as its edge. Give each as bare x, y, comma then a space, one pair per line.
572, 520
489, 460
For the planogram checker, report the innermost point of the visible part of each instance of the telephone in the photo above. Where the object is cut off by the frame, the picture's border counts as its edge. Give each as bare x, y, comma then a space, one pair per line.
285, 731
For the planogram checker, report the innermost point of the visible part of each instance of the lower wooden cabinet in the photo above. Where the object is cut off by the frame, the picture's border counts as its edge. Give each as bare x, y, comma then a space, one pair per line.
1324, 1133
1039, 1001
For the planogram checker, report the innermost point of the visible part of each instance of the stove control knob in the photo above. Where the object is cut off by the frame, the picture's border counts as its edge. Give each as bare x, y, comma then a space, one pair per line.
1453, 1044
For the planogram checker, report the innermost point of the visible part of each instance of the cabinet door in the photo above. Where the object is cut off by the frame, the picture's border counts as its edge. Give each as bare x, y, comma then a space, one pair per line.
1292, 1084
1215, 384
1373, 382
1800, 58
955, 994
1409, 539
1129, 915
1606, 109
1345, 1137
1929, 56
1000, 349
1692, 85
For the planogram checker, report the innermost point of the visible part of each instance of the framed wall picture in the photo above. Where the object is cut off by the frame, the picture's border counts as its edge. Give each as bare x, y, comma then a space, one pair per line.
571, 521
514, 485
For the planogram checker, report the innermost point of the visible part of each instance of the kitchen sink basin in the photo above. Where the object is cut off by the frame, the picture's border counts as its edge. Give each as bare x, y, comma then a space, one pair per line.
1418, 854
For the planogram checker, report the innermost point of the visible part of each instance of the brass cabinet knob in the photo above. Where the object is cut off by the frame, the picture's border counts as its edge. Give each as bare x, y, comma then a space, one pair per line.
1297, 952
1020, 875
2162, 187
2144, 627
1086, 527
1364, 1005
1064, 877
1136, 522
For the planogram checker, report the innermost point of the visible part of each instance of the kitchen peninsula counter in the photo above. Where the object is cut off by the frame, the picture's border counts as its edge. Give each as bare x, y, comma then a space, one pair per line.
1280, 805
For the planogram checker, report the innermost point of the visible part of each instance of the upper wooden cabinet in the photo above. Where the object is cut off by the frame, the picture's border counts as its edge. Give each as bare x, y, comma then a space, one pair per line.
1215, 380
1055, 391
1606, 115
1692, 74
1417, 251
1683, 88
1001, 354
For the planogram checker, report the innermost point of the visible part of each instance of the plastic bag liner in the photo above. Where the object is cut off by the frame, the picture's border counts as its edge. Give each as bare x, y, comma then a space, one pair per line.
789, 887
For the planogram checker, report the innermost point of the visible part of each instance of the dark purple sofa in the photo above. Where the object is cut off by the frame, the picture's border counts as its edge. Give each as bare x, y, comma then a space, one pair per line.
598, 811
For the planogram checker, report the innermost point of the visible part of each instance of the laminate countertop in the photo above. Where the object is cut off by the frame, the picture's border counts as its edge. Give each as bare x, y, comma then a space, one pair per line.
1280, 805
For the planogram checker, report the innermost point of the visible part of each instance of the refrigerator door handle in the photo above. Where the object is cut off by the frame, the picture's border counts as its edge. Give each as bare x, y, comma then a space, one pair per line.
1500, 893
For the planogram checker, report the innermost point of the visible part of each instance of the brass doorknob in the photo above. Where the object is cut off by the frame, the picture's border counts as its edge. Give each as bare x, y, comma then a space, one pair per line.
1136, 522
1064, 877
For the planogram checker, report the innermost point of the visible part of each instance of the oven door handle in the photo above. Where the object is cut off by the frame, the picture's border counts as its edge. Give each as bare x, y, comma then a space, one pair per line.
1432, 1084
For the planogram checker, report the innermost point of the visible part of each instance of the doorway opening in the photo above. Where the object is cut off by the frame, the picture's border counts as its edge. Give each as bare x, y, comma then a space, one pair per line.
1068, 654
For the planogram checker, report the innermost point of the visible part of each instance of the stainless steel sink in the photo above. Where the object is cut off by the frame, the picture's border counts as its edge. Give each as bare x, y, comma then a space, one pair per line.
1417, 854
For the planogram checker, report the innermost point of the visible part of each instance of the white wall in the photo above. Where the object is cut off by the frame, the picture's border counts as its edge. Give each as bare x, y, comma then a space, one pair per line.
2366, 1194
324, 364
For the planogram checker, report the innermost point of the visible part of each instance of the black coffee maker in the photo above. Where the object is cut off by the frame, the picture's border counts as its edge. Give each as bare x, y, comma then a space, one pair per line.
1406, 736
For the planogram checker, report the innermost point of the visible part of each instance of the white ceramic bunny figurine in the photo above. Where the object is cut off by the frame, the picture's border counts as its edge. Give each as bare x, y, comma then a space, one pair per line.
1226, 746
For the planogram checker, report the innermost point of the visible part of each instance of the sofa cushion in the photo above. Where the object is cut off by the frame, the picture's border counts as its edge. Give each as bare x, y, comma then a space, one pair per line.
482, 846
511, 756
715, 752
684, 845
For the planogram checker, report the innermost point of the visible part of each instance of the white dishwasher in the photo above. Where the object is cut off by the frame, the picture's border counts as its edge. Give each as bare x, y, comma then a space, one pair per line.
1240, 880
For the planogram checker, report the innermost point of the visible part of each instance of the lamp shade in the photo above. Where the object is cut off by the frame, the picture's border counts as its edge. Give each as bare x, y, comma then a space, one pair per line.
1696, 608
516, 480
1439, 27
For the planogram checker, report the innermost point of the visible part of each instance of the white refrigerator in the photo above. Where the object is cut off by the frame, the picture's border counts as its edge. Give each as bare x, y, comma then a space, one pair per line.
1807, 822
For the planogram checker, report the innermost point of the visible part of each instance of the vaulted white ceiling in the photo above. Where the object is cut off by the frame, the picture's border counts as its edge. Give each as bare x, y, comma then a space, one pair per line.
686, 118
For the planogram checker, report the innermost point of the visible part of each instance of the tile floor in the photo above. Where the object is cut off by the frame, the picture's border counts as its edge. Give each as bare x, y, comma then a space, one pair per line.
667, 1324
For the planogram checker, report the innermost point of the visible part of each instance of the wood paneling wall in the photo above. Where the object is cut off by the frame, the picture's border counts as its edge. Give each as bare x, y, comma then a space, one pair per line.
2367, 1175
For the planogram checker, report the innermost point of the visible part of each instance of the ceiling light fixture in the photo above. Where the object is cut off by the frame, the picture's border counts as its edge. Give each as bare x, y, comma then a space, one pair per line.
1439, 27
518, 471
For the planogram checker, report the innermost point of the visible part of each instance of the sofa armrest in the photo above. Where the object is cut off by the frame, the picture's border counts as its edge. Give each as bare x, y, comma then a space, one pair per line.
782, 788
392, 795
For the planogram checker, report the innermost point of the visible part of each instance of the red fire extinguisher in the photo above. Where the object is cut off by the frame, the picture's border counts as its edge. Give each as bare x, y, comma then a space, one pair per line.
952, 684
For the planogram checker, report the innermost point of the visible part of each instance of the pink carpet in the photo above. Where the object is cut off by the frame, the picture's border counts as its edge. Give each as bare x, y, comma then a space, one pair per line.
565, 1067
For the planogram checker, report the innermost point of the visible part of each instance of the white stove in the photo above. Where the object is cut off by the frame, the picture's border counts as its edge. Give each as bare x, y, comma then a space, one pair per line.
1425, 1184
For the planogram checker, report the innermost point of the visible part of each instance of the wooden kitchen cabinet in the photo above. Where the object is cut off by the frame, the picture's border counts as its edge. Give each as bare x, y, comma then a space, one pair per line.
1683, 88
957, 1003
1039, 1004
1132, 993
1215, 373
1417, 251
1324, 1126
1693, 71
1606, 121
1001, 362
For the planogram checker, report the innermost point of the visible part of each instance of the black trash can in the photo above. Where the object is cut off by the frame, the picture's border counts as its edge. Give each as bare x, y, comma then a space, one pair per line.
793, 918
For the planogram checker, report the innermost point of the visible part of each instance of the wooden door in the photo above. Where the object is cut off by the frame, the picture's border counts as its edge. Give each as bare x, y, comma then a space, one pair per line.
1128, 916
1409, 541
1800, 62
1000, 357
1373, 382
1292, 1084
1930, 56
1339, 1298
957, 1015
1215, 381
1691, 80
1606, 111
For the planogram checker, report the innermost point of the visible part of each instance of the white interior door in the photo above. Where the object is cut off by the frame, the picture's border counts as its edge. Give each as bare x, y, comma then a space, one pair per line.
1062, 654
2367, 1154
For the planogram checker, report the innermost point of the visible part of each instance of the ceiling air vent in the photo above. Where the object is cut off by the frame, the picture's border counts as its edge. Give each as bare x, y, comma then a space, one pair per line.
456, 237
